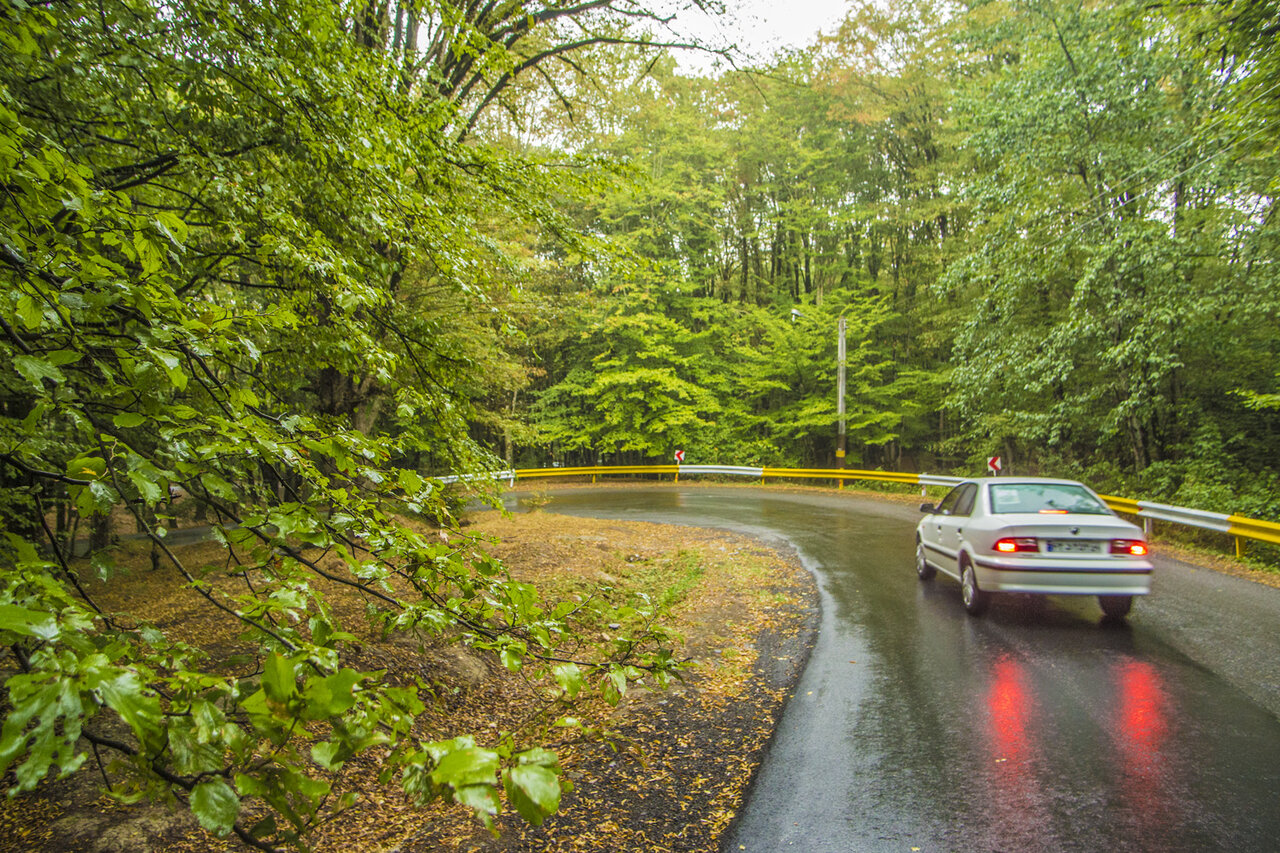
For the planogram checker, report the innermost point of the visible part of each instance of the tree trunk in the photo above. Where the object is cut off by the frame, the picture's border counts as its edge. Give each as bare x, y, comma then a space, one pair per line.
509, 452
99, 532
1138, 443
410, 48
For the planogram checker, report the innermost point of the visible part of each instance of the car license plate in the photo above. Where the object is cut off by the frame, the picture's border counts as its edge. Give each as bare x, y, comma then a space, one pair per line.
1072, 546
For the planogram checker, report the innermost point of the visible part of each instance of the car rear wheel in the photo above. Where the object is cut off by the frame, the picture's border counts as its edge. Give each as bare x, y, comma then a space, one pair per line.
923, 569
1116, 606
975, 600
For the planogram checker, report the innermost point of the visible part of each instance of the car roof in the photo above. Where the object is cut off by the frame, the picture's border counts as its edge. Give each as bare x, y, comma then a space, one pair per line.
1009, 481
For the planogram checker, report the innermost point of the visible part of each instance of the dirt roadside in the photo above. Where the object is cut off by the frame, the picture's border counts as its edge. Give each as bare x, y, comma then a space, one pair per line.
670, 774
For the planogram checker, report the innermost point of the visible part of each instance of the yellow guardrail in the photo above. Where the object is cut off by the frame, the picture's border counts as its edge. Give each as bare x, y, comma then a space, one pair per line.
841, 474
1126, 505
527, 473
838, 474
1238, 526
1253, 528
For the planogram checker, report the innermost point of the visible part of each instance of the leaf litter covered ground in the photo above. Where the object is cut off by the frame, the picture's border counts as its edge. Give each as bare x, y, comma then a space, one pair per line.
668, 773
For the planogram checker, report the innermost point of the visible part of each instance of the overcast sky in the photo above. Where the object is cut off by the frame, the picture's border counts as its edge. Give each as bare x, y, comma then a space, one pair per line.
760, 27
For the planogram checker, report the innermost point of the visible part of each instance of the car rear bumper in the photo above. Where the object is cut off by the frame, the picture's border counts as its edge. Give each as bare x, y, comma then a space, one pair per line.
1075, 577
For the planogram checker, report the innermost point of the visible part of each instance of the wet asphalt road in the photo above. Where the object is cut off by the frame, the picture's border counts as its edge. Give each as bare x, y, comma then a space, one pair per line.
1035, 728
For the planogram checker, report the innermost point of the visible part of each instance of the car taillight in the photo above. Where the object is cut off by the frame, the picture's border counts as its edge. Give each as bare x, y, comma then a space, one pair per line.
1129, 547
1015, 544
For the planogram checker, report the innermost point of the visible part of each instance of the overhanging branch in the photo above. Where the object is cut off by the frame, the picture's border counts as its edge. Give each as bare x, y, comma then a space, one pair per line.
508, 77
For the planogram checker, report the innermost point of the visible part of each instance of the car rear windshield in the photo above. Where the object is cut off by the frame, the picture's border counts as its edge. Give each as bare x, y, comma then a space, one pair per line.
1045, 498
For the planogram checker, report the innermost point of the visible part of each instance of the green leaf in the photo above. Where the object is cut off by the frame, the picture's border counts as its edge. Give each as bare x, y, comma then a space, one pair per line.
330, 696
534, 790
539, 755
264, 828
29, 623
52, 705
172, 365
209, 720
483, 799
569, 677
512, 656
34, 370
149, 489
215, 805
467, 766
410, 481
29, 312
172, 228
278, 680
87, 467
62, 357
128, 420
326, 755
614, 686
128, 697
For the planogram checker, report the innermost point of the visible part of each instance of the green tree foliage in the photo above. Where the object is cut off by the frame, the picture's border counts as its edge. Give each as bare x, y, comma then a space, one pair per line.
250, 262
1113, 304
746, 196
1237, 40
639, 394
1054, 223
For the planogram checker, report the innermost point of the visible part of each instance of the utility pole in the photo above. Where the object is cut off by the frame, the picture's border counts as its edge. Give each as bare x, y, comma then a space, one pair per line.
840, 435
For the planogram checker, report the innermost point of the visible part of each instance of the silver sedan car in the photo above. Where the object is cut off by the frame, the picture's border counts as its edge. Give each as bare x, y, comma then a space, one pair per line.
1031, 535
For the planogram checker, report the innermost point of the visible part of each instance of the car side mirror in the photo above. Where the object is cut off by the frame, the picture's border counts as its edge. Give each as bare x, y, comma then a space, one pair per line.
929, 508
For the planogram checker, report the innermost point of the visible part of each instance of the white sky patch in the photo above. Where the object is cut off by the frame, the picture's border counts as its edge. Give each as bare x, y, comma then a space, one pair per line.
759, 28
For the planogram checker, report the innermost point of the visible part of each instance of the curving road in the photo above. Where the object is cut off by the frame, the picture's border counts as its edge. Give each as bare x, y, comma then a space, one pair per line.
1035, 728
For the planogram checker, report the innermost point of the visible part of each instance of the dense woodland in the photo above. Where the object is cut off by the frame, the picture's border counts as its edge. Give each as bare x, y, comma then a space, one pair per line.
1051, 229
280, 263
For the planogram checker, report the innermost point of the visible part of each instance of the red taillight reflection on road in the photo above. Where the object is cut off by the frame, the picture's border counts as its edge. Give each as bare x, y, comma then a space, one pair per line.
1142, 720
1009, 707
1141, 728
1017, 796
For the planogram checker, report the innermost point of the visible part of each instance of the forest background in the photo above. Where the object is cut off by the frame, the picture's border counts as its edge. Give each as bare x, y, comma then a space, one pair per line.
1051, 229
275, 265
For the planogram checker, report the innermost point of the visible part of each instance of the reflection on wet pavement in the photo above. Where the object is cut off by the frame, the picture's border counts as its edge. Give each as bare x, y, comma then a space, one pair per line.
1034, 728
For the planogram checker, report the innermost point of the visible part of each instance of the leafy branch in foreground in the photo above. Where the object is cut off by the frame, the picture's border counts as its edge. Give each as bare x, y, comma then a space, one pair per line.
216, 253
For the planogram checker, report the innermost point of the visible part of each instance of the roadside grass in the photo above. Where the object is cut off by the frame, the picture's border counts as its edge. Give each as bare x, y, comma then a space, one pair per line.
666, 581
